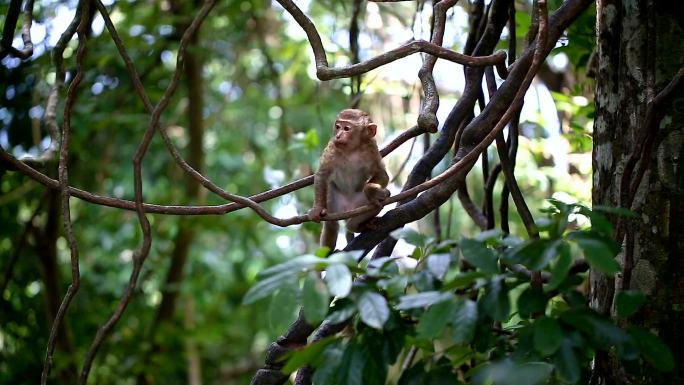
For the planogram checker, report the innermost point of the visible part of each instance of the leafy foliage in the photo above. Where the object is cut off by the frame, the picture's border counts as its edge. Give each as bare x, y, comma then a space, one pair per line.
481, 319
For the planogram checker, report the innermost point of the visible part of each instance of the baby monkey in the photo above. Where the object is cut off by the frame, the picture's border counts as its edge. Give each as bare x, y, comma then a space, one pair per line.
351, 174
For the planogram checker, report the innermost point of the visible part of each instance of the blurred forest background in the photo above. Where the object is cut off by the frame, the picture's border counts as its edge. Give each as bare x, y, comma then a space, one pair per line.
250, 115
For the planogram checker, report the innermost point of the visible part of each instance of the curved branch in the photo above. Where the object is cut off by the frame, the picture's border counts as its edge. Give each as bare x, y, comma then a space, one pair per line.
11, 17
81, 21
428, 114
473, 211
185, 210
478, 135
143, 250
324, 72
460, 114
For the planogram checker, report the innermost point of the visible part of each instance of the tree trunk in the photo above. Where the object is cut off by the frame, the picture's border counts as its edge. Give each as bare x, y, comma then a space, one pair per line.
640, 50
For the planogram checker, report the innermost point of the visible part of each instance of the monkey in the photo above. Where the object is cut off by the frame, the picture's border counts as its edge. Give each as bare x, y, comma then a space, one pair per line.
351, 174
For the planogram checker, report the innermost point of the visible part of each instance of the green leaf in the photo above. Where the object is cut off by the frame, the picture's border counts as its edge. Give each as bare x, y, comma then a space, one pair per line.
413, 376
283, 307
534, 254
427, 298
599, 252
654, 350
463, 279
566, 363
489, 235
331, 357
561, 268
601, 331
315, 299
311, 354
374, 368
479, 255
423, 281
394, 286
341, 311
438, 264
350, 370
547, 335
531, 301
529, 373
495, 301
381, 263
599, 223
293, 266
629, 302
410, 236
339, 280
382, 267
267, 286
508, 372
441, 375
464, 321
435, 319
373, 309
348, 258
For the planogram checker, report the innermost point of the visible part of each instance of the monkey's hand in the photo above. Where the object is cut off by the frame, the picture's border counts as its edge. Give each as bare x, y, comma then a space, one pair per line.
316, 213
375, 194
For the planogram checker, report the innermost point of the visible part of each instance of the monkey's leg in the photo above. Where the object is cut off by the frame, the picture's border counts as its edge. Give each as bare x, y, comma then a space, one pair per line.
360, 223
329, 234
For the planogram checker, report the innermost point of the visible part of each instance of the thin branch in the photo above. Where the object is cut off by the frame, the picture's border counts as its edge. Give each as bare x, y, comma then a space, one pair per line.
11, 18
143, 250
404, 163
425, 202
512, 37
488, 204
508, 167
512, 184
473, 211
427, 117
354, 48
82, 15
185, 210
408, 361
324, 72
644, 146
167, 141
649, 128
53, 98
459, 115
477, 136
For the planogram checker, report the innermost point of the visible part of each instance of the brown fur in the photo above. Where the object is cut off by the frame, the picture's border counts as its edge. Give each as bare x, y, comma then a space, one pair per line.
351, 174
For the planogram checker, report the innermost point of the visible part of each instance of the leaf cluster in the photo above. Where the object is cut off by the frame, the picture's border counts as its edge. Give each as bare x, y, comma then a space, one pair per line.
467, 310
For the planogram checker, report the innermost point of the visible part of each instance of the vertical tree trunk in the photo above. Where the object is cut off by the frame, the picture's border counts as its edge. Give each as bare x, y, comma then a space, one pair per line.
640, 50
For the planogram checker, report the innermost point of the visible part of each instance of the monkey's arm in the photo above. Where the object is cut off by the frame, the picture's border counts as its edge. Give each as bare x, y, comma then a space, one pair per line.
380, 176
319, 208
375, 190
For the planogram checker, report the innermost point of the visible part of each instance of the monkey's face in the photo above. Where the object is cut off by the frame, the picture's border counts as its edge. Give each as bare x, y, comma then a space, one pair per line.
346, 133
349, 134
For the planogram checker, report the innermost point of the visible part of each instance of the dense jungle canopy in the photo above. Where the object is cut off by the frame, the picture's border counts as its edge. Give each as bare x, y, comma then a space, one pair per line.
156, 162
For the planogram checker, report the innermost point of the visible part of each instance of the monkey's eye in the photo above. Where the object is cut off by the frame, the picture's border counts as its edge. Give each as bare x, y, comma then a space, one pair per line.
346, 128
337, 126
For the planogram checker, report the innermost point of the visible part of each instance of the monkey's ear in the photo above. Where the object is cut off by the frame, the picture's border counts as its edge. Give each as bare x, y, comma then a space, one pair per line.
372, 129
